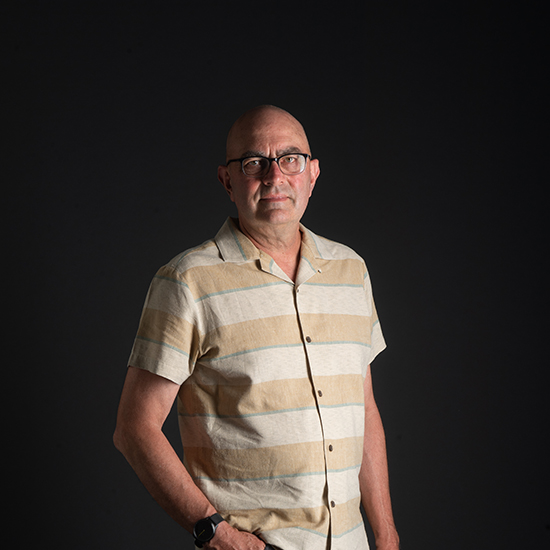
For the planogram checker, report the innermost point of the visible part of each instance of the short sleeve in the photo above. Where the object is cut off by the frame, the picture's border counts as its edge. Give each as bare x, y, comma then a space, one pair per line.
167, 341
378, 343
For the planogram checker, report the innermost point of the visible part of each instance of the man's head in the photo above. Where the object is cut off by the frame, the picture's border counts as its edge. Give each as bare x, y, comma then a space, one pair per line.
263, 120
275, 197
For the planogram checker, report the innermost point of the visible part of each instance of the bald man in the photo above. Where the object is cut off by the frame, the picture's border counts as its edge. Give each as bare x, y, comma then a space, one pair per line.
264, 335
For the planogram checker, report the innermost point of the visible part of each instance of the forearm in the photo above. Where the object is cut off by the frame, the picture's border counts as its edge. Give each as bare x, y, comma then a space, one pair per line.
373, 478
166, 478
163, 474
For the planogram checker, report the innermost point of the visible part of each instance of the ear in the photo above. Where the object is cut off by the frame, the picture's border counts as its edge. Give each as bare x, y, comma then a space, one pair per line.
225, 179
314, 170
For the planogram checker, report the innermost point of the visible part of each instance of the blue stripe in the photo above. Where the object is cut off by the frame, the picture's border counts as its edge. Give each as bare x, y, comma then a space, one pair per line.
309, 263
172, 280
237, 353
253, 350
237, 241
230, 290
338, 342
350, 285
334, 536
249, 415
282, 476
163, 344
266, 413
190, 251
349, 530
315, 243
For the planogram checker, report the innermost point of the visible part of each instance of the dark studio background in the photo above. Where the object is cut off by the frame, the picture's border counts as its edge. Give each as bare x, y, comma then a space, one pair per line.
427, 120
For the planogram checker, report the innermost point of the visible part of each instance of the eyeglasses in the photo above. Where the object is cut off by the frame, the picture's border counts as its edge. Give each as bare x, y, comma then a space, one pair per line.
290, 164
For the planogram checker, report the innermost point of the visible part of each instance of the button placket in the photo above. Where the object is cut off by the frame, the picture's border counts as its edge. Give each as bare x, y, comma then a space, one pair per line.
307, 339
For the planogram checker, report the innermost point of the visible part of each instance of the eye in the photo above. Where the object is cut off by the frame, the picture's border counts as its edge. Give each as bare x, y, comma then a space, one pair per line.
253, 163
254, 166
290, 159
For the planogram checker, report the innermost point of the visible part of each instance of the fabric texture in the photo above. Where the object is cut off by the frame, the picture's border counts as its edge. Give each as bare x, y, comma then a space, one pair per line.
271, 406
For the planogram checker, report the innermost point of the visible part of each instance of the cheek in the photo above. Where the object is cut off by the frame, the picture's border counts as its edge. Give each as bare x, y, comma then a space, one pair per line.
244, 193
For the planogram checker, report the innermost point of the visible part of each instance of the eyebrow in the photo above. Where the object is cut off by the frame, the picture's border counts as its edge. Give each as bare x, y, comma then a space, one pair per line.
280, 152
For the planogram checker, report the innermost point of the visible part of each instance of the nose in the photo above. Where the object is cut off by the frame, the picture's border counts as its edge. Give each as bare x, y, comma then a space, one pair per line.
273, 174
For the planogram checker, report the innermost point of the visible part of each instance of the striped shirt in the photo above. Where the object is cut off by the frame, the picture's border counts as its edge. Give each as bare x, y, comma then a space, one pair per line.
271, 406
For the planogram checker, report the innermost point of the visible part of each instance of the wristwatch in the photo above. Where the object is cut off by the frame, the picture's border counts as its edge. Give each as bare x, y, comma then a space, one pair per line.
205, 529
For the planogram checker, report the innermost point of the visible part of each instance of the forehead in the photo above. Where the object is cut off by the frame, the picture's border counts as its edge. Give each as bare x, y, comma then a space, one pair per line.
268, 133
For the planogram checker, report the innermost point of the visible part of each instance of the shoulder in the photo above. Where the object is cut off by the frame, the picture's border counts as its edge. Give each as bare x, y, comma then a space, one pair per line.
328, 249
185, 275
203, 255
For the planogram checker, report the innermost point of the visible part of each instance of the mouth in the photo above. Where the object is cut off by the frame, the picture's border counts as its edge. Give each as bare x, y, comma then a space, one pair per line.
274, 198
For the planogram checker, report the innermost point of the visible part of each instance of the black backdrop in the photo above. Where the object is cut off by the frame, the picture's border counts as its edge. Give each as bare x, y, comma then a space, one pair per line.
427, 120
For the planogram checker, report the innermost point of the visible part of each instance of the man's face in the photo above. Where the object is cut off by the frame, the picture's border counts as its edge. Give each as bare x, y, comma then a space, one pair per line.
275, 199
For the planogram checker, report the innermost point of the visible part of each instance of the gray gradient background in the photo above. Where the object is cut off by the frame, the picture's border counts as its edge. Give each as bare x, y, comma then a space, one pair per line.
115, 116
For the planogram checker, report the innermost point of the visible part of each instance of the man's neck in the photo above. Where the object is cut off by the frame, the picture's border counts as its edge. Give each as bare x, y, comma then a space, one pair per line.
282, 244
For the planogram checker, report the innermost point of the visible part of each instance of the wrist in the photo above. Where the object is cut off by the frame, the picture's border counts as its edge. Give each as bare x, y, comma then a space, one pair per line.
389, 542
205, 529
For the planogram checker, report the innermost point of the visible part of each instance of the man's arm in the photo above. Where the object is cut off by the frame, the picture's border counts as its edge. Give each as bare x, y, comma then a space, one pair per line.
144, 405
373, 476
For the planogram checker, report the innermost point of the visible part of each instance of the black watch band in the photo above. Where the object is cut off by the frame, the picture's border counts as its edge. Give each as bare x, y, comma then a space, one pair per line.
205, 529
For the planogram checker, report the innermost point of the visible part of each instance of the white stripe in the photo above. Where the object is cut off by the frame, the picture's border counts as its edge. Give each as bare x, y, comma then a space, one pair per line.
298, 492
342, 300
286, 428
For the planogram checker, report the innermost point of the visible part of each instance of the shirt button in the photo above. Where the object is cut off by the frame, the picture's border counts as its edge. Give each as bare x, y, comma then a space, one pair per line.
330, 448
332, 503
308, 339
320, 393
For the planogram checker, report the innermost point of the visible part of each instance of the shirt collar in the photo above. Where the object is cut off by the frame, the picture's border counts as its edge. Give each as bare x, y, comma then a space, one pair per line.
236, 247
233, 245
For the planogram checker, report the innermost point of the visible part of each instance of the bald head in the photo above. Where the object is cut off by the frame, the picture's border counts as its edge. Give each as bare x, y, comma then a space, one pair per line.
263, 124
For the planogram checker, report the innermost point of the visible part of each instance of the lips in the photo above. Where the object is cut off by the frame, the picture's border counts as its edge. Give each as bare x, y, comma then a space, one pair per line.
274, 198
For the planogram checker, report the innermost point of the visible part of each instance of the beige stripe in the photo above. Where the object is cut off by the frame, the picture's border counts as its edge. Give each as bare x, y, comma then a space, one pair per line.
345, 517
233, 400
336, 328
284, 330
170, 330
227, 276
346, 453
253, 334
276, 395
262, 520
338, 272
224, 277
272, 462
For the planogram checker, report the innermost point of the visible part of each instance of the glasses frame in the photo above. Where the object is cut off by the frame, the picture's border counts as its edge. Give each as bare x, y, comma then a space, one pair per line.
274, 159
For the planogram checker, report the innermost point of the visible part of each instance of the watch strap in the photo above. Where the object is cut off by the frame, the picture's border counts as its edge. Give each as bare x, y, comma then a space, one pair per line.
216, 518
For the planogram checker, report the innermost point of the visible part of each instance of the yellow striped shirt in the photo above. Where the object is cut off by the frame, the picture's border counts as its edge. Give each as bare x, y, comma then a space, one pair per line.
271, 405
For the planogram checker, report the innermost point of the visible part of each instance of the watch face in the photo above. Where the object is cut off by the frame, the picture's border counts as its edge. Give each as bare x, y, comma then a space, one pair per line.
204, 530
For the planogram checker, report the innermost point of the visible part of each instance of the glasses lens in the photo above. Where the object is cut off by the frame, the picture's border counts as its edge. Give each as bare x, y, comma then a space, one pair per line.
255, 166
292, 164
289, 164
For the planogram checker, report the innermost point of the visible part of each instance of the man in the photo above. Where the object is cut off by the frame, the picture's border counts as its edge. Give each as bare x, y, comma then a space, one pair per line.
265, 335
